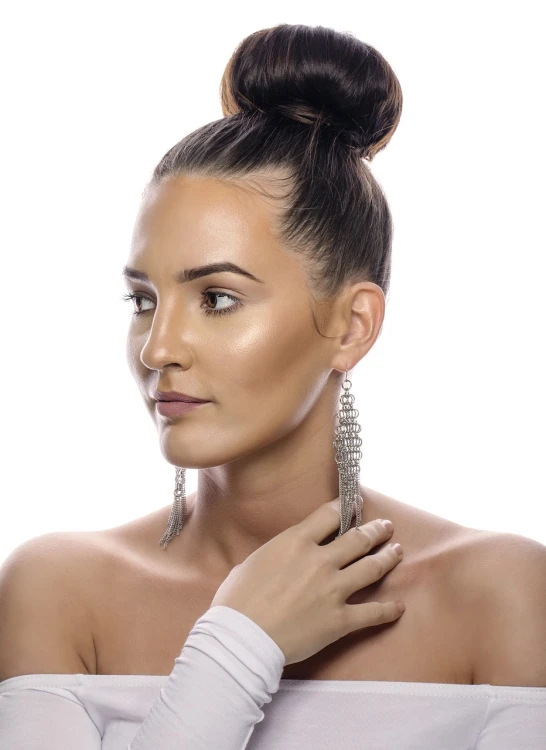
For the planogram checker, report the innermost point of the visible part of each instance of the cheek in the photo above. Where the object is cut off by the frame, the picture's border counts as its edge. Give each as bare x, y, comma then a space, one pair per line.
267, 353
132, 354
133, 351
265, 386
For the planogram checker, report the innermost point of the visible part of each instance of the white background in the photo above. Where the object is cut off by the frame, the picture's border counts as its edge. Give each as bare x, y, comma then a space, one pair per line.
451, 397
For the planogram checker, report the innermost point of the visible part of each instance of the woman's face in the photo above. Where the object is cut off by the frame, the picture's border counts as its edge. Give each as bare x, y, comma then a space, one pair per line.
249, 347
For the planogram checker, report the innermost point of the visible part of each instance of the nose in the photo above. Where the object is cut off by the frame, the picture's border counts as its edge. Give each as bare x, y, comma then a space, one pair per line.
165, 344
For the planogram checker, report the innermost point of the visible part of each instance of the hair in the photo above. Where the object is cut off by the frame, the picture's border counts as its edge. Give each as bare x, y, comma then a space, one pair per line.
304, 109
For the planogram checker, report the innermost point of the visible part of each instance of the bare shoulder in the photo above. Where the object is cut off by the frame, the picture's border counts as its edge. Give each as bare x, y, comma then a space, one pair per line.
43, 616
493, 565
500, 582
489, 588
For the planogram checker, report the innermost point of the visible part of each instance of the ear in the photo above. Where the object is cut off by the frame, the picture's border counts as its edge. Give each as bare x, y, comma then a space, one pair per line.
359, 315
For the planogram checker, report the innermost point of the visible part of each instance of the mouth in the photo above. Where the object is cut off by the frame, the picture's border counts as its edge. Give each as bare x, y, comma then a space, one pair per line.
178, 408
164, 396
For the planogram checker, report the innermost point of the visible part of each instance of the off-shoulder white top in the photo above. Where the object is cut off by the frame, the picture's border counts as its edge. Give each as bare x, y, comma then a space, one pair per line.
225, 692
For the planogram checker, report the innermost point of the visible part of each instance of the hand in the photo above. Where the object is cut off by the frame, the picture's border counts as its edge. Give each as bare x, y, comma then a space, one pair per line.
296, 591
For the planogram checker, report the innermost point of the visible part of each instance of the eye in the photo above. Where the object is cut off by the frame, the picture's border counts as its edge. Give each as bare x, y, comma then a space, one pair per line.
135, 297
205, 295
223, 310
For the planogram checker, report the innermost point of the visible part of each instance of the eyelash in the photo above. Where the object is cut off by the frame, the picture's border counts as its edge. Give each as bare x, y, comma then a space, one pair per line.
224, 311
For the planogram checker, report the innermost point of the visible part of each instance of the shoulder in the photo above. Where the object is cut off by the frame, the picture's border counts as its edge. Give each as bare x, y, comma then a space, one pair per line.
43, 617
500, 581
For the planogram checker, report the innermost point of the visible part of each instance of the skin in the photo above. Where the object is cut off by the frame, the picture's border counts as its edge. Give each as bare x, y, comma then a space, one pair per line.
264, 446
475, 604
264, 450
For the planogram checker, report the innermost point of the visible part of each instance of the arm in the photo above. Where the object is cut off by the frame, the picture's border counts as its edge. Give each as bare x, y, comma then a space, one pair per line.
512, 613
228, 668
37, 613
40, 619
512, 641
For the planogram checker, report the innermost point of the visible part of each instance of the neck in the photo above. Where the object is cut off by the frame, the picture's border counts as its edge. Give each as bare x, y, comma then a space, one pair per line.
241, 505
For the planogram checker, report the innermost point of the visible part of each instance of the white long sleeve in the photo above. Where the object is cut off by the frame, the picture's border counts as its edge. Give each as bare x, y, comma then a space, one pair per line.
229, 667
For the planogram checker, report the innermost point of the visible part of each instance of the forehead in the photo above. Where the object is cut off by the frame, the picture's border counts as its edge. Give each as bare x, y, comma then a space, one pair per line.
191, 221
206, 214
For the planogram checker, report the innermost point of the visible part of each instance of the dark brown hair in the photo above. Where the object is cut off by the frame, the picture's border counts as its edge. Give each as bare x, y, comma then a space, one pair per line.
305, 109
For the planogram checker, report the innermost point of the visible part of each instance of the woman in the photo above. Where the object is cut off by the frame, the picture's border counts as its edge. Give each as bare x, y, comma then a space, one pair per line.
258, 271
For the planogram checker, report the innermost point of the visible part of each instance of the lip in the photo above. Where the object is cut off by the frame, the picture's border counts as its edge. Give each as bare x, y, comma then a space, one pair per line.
176, 396
177, 408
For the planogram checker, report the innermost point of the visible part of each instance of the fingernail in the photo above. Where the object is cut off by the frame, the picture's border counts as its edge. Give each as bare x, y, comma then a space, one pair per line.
401, 606
388, 525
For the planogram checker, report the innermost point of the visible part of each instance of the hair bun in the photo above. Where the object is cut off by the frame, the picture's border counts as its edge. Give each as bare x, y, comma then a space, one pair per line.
310, 73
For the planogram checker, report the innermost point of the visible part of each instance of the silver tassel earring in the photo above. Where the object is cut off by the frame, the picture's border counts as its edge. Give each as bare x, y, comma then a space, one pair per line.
178, 510
348, 456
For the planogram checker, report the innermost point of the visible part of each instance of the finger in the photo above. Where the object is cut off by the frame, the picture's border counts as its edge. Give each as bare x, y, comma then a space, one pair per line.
321, 522
357, 542
367, 570
370, 613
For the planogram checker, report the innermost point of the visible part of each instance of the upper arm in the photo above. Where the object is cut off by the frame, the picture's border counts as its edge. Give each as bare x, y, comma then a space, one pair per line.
38, 609
510, 611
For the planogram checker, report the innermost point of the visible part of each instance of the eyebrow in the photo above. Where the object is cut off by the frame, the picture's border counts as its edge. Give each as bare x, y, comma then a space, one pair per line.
190, 274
